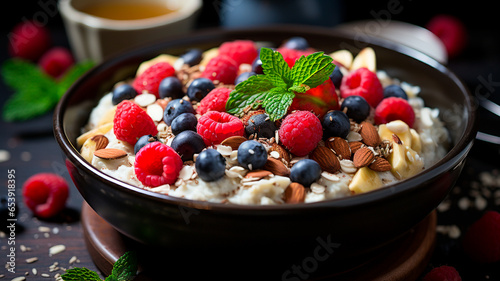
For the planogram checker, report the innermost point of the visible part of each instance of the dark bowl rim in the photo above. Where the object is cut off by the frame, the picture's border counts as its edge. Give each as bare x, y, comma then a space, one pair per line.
450, 161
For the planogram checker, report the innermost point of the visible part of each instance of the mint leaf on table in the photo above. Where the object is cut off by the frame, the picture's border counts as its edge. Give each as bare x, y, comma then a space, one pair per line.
124, 269
80, 274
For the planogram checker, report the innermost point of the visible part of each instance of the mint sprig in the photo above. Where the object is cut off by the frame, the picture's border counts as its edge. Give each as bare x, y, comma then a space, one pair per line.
275, 89
124, 269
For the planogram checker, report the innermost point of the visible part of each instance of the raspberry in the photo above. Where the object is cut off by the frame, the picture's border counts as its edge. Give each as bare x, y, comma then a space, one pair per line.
482, 240
241, 51
29, 40
291, 55
131, 122
56, 61
450, 31
221, 68
443, 273
300, 132
214, 127
214, 101
45, 194
157, 164
362, 82
150, 79
393, 108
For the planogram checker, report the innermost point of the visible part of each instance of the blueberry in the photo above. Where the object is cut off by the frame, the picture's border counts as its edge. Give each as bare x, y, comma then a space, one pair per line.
395, 91
187, 143
257, 66
142, 141
184, 122
336, 77
123, 92
199, 88
358, 108
210, 165
171, 87
192, 57
175, 108
252, 155
243, 76
336, 124
296, 43
261, 125
305, 172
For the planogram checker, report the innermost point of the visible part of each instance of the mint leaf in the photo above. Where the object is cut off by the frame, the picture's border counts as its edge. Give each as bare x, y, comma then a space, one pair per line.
249, 93
125, 267
277, 102
80, 274
275, 68
312, 70
27, 104
20, 75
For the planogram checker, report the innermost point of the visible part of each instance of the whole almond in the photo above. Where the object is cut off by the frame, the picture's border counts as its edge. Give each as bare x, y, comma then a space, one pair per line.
295, 193
110, 153
326, 159
282, 153
234, 141
340, 146
101, 141
258, 174
369, 134
380, 165
354, 146
363, 157
276, 167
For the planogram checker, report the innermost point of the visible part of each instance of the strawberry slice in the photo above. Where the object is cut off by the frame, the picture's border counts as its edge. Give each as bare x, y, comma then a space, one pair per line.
319, 100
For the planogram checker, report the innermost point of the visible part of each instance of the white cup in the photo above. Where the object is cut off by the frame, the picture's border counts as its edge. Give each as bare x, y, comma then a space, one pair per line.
95, 38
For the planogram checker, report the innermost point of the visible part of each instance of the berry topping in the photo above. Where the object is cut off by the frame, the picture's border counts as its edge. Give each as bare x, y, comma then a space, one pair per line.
221, 69
216, 126
187, 143
29, 40
192, 57
291, 55
184, 122
336, 124
443, 273
131, 122
296, 43
362, 82
257, 66
482, 240
123, 92
151, 78
241, 51
244, 76
252, 155
175, 108
318, 100
356, 108
305, 172
56, 61
45, 194
214, 101
336, 77
451, 31
157, 164
391, 109
261, 125
395, 91
300, 132
170, 87
142, 141
199, 88
210, 165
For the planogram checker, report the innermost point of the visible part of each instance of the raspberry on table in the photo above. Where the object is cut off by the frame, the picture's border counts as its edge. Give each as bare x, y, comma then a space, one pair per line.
45, 194
443, 273
151, 78
131, 122
157, 164
451, 31
56, 61
214, 101
300, 132
214, 127
393, 108
482, 240
365, 83
29, 40
241, 51
221, 68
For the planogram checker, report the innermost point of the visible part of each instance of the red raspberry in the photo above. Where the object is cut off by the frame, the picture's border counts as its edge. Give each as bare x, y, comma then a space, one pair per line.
393, 108
450, 31
482, 240
214, 127
300, 132
45, 194
131, 122
56, 61
241, 51
291, 55
214, 101
150, 79
362, 82
157, 164
443, 273
29, 40
221, 68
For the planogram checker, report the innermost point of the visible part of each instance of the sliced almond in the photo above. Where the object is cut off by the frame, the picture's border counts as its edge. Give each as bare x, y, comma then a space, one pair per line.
343, 57
276, 167
380, 165
234, 142
326, 159
340, 147
295, 193
354, 146
363, 157
110, 153
369, 134
91, 145
258, 174
101, 141
365, 58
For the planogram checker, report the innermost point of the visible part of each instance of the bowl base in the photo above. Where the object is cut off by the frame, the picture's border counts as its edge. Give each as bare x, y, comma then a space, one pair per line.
403, 259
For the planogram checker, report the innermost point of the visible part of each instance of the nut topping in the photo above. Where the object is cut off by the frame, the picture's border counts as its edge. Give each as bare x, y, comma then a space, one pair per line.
110, 153
295, 193
326, 159
369, 134
363, 157
340, 147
